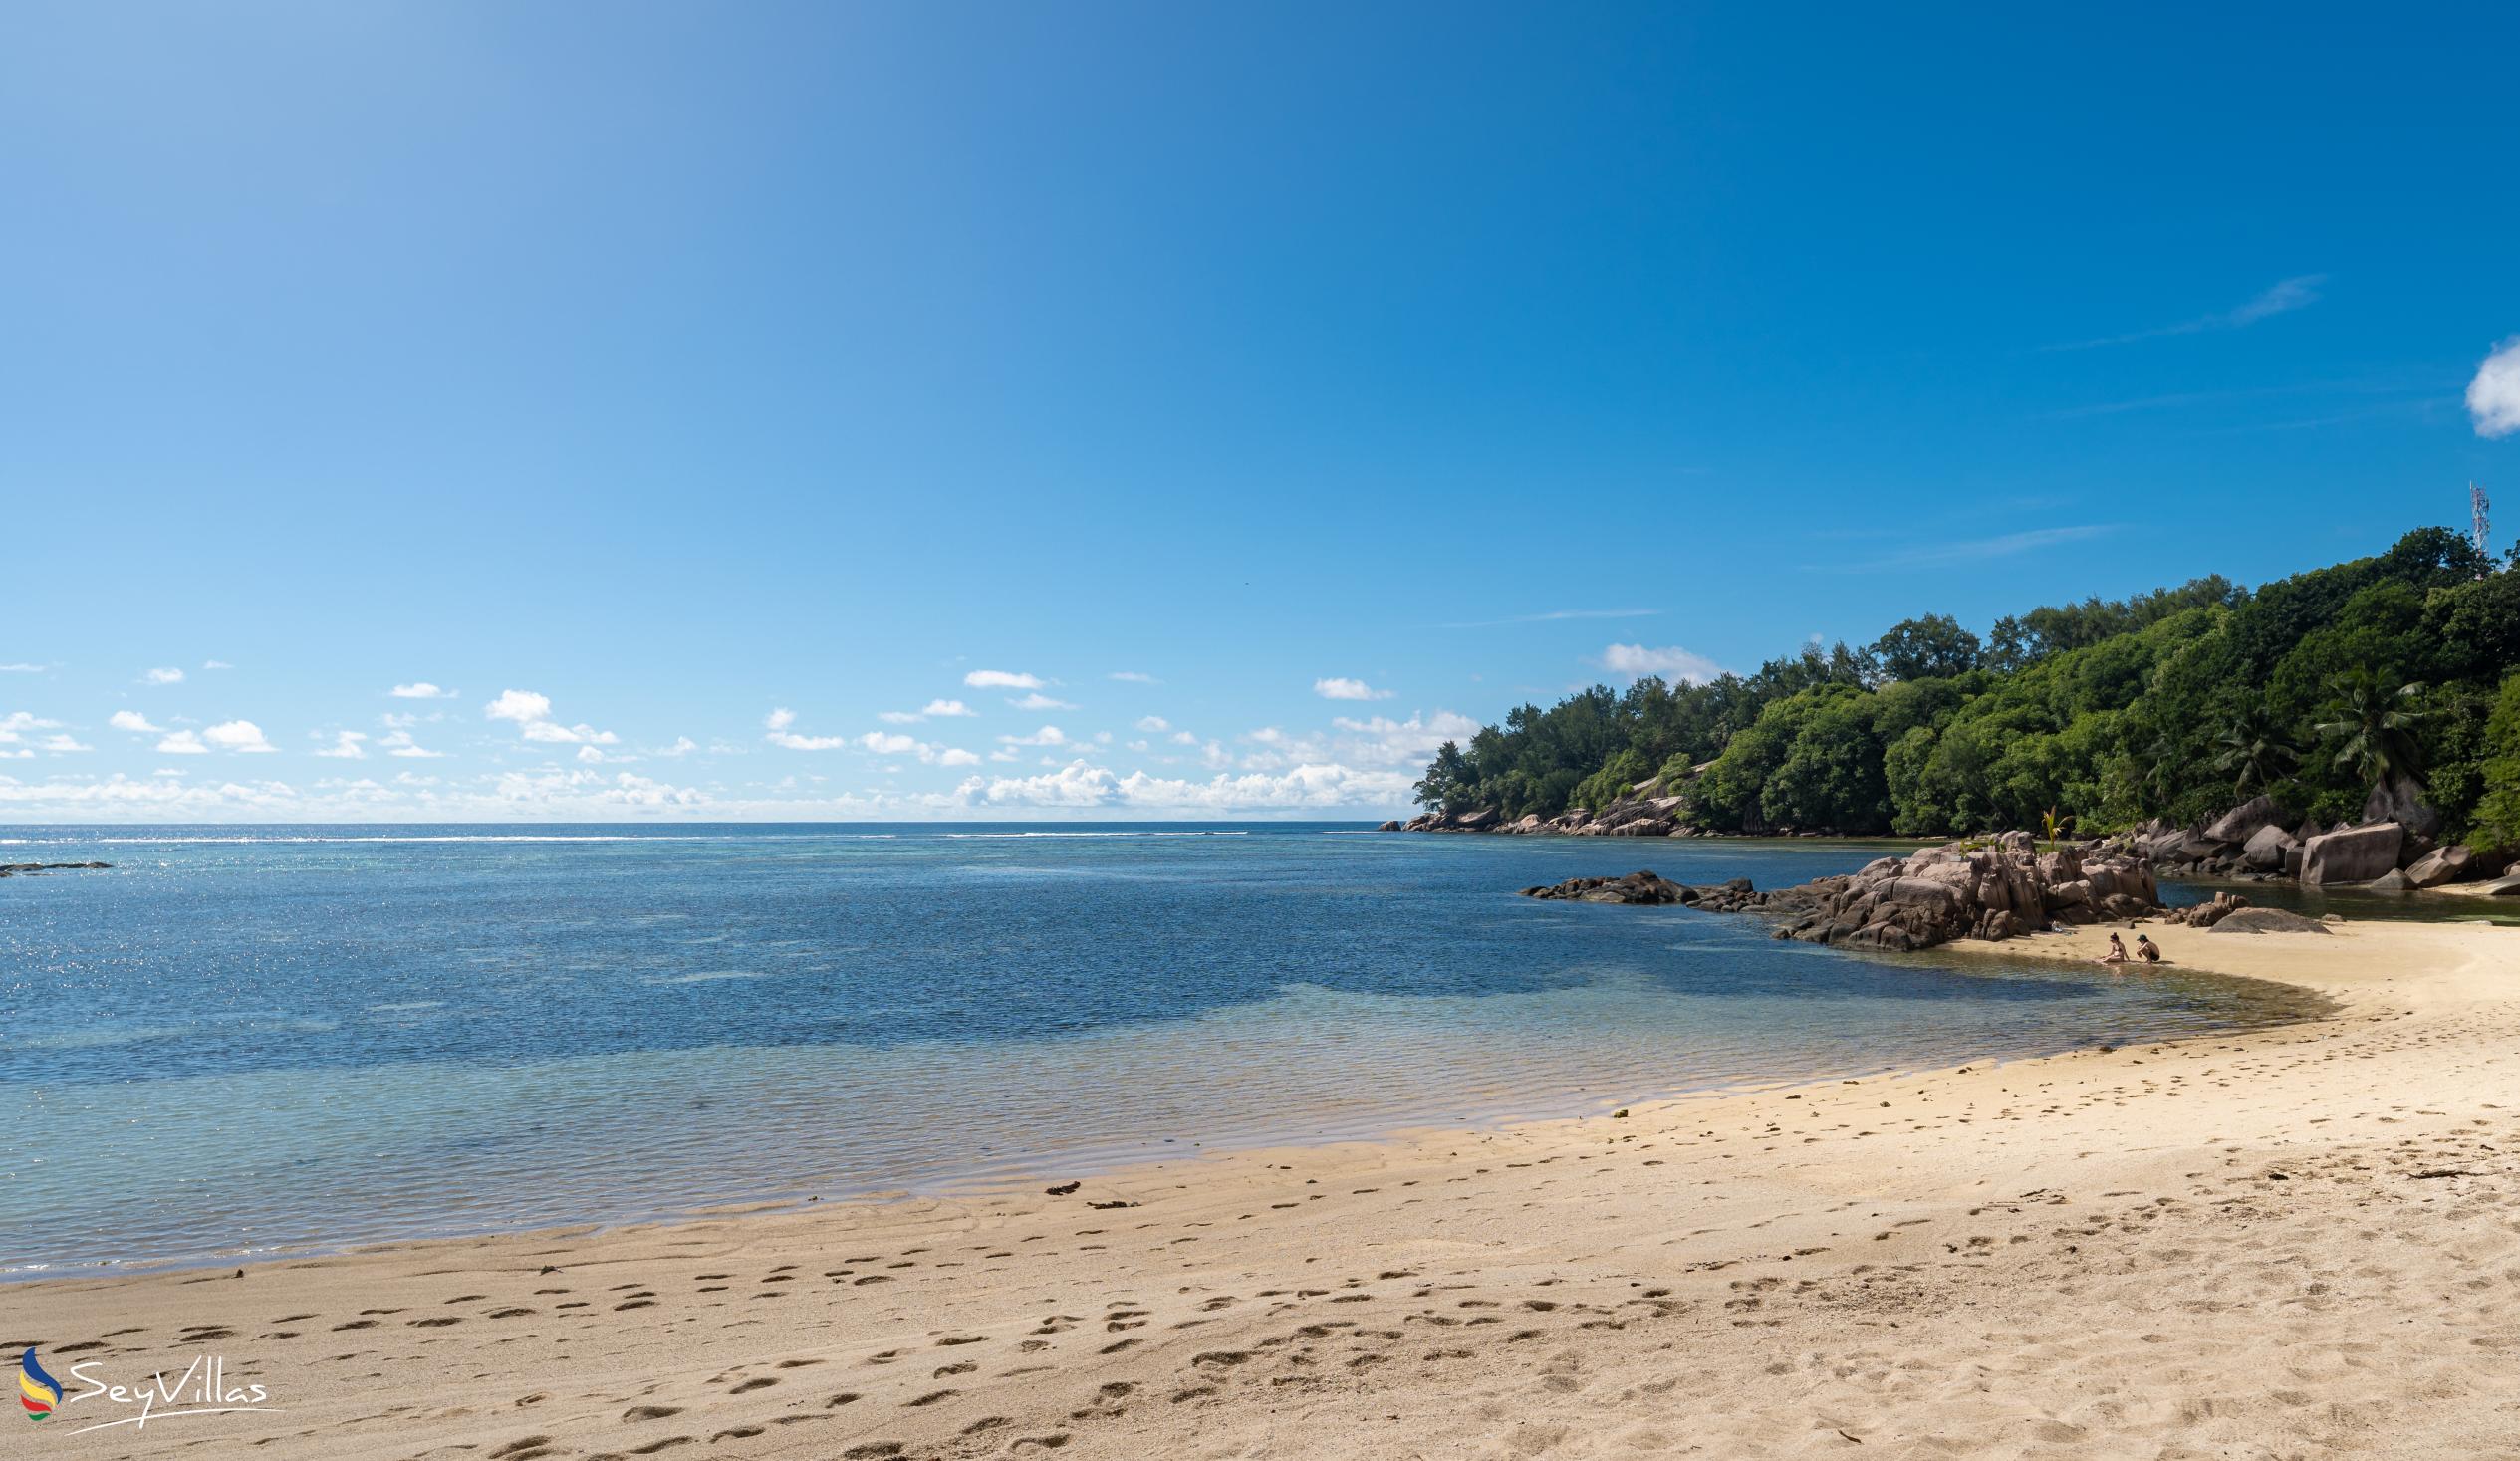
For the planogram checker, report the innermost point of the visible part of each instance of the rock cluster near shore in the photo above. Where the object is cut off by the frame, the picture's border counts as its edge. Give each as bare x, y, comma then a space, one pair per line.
2392, 849
1995, 889
12, 869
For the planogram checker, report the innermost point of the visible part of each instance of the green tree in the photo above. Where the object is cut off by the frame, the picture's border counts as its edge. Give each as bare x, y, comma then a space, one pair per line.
2373, 724
1933, 647
2256, 750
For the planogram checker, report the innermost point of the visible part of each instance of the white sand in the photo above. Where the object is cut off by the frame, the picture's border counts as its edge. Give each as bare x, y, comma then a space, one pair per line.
2295, 1243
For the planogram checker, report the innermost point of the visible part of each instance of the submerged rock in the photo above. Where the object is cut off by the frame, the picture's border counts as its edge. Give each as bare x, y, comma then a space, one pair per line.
12, 869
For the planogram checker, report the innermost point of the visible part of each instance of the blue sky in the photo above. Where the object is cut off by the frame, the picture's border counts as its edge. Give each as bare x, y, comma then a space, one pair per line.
715, 403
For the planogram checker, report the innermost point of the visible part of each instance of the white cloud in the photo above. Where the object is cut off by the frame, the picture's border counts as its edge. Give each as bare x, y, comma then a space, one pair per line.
522, 706
400, 744
1671, 662
779, 719
794, 741
346, 746
999, 679
1153, 723
164, 676
2493, 398
682, 746
532, 714
182, 743
1135, 677
238, 735
63, 743
134, 722
216, 664
1048, 735
17, 723
24, 669
889, 743
1038, 701
1082, 784
932, 710
423, 690
1348, 690
1184, 738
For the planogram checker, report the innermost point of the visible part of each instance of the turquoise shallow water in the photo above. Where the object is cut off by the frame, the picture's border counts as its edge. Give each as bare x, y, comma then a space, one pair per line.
247, 1040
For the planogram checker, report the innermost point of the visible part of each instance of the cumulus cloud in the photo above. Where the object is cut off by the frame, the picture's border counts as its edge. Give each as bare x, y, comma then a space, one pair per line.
1048, 735
216, 664
63, 743
932, 710
1000, 679
891, 742
532, 714
423, 690
2493, 398
779, 723
522, 706
182, 743
400, 744
1348, 690
134, 722
1153, 723
1038, 701
1670, 661
238, 735
14, 725
163, 677
1135, 677
346, 746
1082, 784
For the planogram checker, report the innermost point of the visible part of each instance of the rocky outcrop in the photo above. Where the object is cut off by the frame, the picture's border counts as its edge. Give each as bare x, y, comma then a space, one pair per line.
13, 869
1646, 886
2354, 854
2208, 913
2243, 821
2268, 920
2268, 848
2397, 799
1994, 890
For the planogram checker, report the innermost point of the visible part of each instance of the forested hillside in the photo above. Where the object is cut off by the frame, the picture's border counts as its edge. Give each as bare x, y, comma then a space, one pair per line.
2397, 668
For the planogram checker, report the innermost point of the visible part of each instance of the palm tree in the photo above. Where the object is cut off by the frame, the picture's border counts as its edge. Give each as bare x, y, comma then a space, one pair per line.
2375, 726
2255, 749
2055, 825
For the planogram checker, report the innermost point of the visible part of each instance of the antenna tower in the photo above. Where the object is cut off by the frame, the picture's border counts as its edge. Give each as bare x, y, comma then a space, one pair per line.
2481, 532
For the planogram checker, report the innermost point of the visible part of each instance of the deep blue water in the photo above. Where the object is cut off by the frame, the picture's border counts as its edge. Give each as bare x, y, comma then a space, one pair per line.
246, 1039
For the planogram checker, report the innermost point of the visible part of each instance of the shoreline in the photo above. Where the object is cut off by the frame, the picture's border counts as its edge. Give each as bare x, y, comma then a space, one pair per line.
1288, 1299
999, 1180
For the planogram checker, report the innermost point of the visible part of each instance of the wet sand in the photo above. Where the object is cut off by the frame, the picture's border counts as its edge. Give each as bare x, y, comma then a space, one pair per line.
2303, 1241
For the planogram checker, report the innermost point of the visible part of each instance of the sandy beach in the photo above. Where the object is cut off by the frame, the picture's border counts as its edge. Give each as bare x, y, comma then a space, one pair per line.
2297, 1242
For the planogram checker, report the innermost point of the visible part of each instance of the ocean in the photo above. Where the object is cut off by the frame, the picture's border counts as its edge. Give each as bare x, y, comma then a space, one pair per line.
243, 1041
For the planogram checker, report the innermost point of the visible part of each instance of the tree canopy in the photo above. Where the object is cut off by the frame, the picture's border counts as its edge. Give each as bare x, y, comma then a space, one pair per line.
2173, 703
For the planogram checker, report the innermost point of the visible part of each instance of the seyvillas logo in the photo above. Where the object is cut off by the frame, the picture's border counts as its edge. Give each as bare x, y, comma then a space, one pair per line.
202, 1389
37, 1391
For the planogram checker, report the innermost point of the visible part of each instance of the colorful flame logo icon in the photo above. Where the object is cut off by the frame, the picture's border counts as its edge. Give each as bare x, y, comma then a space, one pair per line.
37, 1391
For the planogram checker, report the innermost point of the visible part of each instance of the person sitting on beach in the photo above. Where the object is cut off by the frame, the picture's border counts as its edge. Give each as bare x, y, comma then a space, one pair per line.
2117, 952
2144, 947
